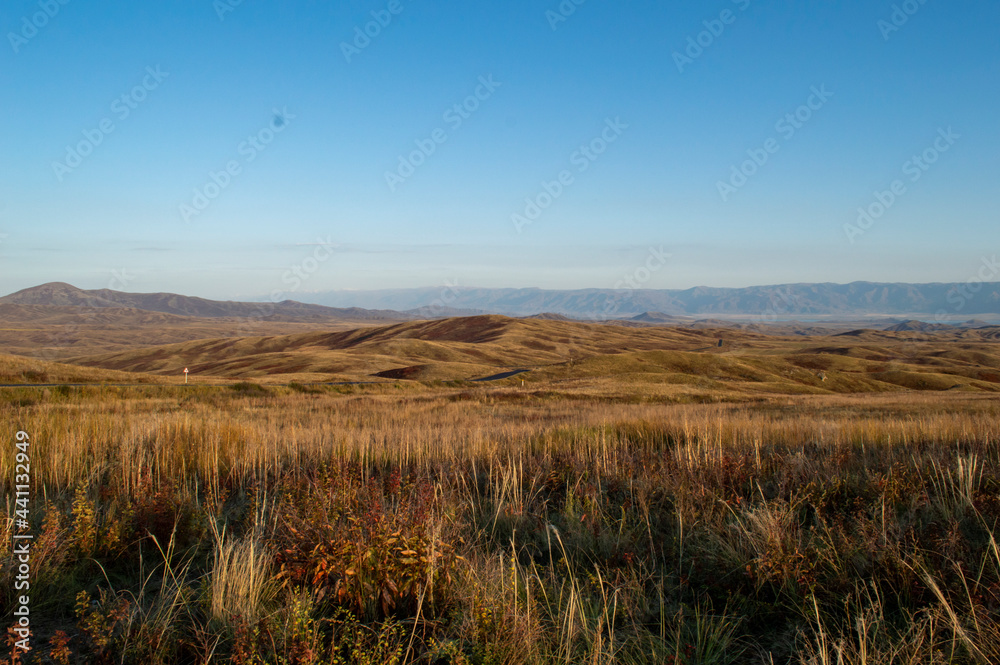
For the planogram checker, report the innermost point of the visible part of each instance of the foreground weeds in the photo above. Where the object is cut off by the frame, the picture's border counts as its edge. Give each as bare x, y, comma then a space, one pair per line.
490, 527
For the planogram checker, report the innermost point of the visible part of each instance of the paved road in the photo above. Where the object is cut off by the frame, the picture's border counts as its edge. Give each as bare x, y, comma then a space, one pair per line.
503, 375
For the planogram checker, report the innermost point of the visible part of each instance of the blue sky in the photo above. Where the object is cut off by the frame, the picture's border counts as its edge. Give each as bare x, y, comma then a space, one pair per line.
310, 129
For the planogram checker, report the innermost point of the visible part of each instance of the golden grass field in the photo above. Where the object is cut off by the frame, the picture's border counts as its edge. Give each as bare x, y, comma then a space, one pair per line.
645, 496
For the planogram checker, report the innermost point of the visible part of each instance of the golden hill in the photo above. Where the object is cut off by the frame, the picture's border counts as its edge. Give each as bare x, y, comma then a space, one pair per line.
591, 356
22, 370
59, 332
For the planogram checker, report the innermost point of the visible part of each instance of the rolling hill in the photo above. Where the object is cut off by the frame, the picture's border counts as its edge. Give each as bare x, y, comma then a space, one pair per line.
54, 331
657, 360
477, 344
56, 320
653, 353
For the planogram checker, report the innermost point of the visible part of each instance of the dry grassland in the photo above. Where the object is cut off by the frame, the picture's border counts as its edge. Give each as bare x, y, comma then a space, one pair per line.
405, 522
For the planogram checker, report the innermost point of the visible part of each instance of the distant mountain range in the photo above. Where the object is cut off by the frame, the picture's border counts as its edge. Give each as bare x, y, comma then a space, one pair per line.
907, 304
955, 302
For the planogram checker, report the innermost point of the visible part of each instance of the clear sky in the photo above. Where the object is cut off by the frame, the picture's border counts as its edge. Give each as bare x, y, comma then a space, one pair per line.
121, 120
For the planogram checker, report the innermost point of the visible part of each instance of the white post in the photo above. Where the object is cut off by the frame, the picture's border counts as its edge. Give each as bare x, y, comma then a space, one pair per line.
185, 375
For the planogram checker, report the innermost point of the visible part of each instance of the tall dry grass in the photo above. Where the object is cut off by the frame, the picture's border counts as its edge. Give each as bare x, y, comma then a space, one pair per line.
506, 526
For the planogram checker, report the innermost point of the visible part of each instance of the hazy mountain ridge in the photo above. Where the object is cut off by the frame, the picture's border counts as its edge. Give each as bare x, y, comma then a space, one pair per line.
956, 300
758, 304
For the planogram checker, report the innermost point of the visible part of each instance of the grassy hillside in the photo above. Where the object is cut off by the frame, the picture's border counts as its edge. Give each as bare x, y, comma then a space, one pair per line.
59, 332
20, 370
667, 360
